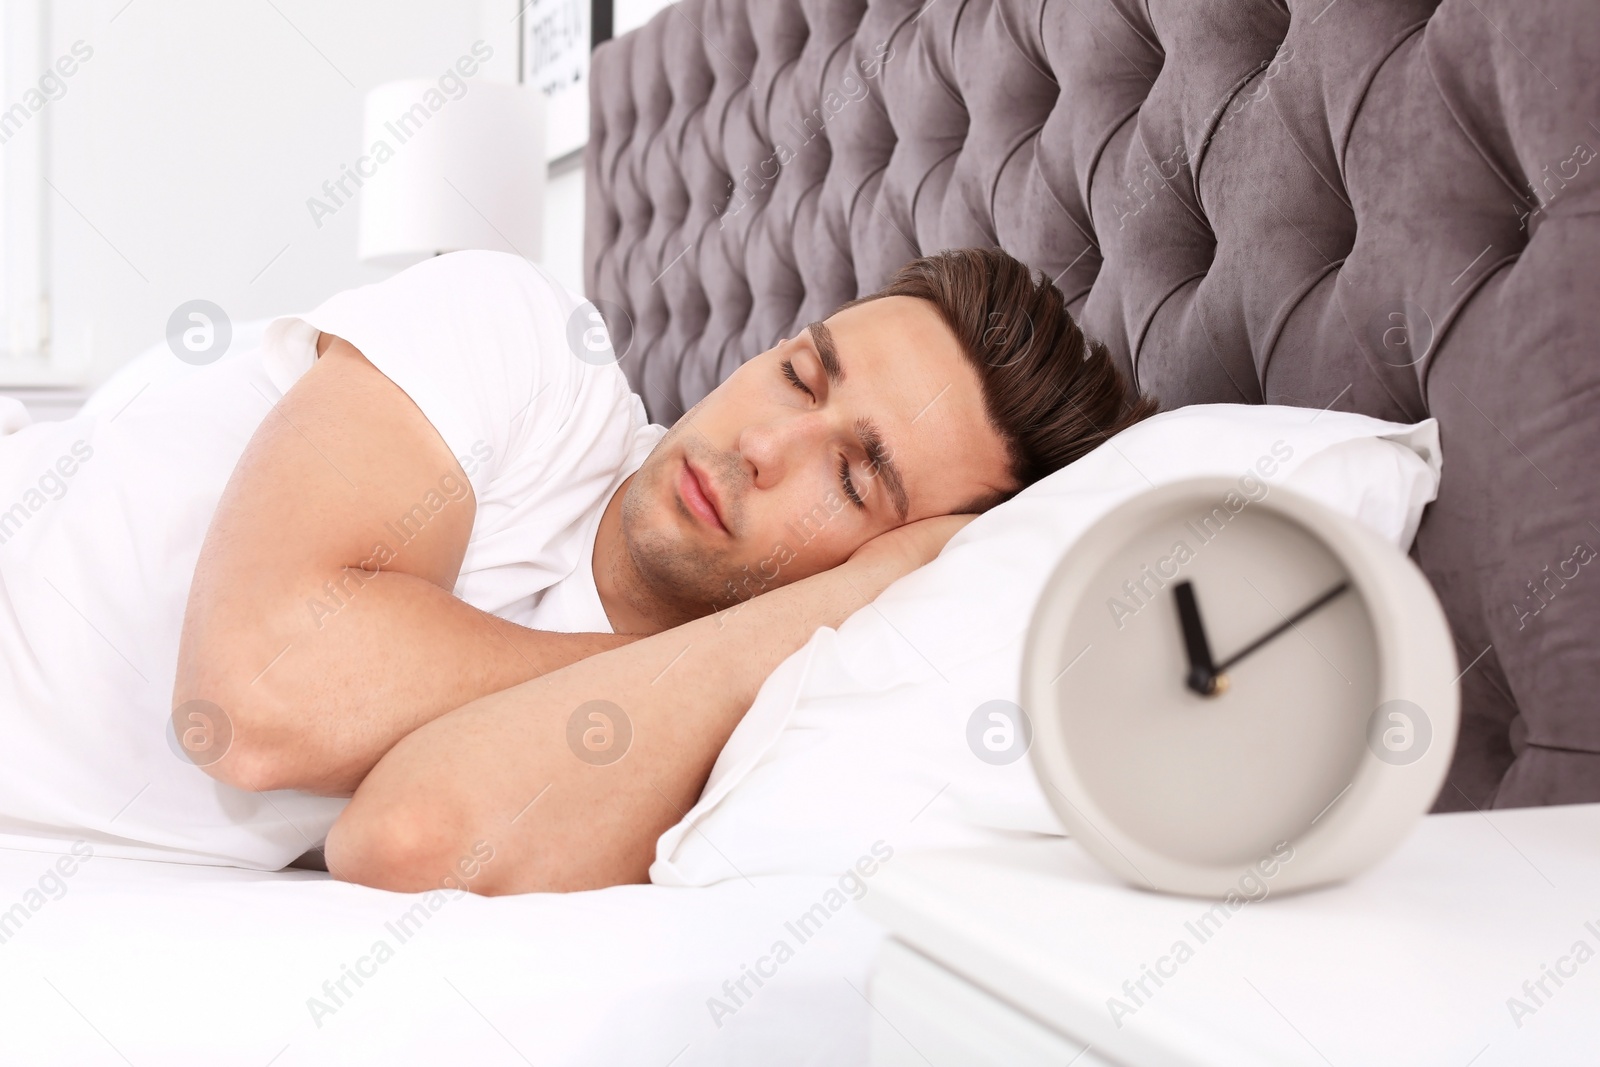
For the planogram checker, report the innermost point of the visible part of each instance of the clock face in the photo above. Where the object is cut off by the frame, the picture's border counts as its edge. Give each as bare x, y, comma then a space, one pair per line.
1294, 670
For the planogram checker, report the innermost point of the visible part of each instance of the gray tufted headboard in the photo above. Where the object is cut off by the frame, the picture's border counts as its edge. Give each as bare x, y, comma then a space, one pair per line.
1387, 206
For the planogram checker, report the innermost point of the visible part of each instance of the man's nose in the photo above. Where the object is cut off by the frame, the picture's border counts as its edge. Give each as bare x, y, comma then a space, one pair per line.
772, 446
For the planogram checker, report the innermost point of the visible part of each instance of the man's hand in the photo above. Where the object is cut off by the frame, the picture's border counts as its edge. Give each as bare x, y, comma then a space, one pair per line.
509, 775
905, 548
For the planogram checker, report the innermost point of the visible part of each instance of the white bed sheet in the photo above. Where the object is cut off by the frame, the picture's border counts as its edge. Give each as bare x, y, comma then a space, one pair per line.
169, 964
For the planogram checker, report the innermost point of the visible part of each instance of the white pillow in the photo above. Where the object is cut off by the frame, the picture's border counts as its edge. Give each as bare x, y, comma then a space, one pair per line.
861, 735
158, 364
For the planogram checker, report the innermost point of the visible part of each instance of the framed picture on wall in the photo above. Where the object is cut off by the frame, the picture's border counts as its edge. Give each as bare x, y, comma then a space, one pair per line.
555, 38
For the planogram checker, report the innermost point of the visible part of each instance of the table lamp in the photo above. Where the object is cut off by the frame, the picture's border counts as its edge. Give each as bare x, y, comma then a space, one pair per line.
445, 172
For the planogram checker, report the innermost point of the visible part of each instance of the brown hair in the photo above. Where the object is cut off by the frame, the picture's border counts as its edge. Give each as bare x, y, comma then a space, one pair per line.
1051, 392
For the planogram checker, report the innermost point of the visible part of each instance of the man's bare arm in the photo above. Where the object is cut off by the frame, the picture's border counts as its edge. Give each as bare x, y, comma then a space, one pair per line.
321, 619
498, 776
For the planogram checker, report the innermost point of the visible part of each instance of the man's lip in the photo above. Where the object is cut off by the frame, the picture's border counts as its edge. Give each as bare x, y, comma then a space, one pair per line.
699, 495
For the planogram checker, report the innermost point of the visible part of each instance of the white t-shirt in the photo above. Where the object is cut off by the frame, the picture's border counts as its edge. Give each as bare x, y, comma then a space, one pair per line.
102, 517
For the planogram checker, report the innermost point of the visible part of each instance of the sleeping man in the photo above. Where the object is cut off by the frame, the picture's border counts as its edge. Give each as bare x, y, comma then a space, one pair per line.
418, 577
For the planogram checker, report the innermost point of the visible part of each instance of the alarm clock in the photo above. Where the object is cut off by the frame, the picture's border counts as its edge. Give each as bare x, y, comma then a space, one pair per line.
1235, 693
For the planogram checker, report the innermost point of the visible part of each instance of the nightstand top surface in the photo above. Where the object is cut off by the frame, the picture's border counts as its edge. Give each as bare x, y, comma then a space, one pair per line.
1416, 961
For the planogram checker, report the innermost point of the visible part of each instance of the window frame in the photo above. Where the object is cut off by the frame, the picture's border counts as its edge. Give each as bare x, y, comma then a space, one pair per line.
25, 351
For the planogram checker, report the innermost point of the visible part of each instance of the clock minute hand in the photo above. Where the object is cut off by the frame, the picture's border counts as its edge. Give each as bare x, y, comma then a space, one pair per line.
1283, 626
1203, 675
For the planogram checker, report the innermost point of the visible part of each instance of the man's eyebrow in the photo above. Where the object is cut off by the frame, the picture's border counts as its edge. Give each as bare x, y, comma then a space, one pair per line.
878, 454
882, 465
822, 338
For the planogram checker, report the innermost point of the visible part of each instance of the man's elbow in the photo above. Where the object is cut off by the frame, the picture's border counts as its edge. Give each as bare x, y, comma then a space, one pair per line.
234, 741
384, 853
407, 851
251, 772
223, 740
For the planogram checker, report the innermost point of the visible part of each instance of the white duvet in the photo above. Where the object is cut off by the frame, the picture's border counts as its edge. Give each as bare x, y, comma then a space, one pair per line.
171, 964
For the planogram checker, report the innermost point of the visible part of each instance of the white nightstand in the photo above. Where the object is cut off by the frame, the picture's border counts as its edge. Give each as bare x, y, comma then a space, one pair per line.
1462, 948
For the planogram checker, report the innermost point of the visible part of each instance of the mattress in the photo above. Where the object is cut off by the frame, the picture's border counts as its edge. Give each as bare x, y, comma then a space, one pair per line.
170, 964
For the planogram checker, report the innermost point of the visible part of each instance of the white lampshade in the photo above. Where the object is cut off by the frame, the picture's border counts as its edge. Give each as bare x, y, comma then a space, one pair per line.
443, 173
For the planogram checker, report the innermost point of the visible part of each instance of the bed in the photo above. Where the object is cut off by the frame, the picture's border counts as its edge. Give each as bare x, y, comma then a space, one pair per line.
1330, 205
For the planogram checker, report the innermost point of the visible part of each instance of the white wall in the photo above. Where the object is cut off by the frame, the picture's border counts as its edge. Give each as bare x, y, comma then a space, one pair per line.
185, 149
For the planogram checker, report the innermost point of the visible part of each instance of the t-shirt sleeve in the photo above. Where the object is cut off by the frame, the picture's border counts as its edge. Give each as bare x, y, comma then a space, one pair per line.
479, 341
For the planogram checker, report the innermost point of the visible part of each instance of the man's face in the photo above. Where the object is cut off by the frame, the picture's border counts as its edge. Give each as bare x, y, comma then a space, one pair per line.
767, 481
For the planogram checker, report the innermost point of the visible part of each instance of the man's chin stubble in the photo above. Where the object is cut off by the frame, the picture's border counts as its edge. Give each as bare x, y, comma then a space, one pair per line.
672, 581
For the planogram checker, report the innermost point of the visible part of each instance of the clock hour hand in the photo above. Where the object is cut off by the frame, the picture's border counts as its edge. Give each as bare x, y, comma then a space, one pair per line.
1285, 625
1203, 677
